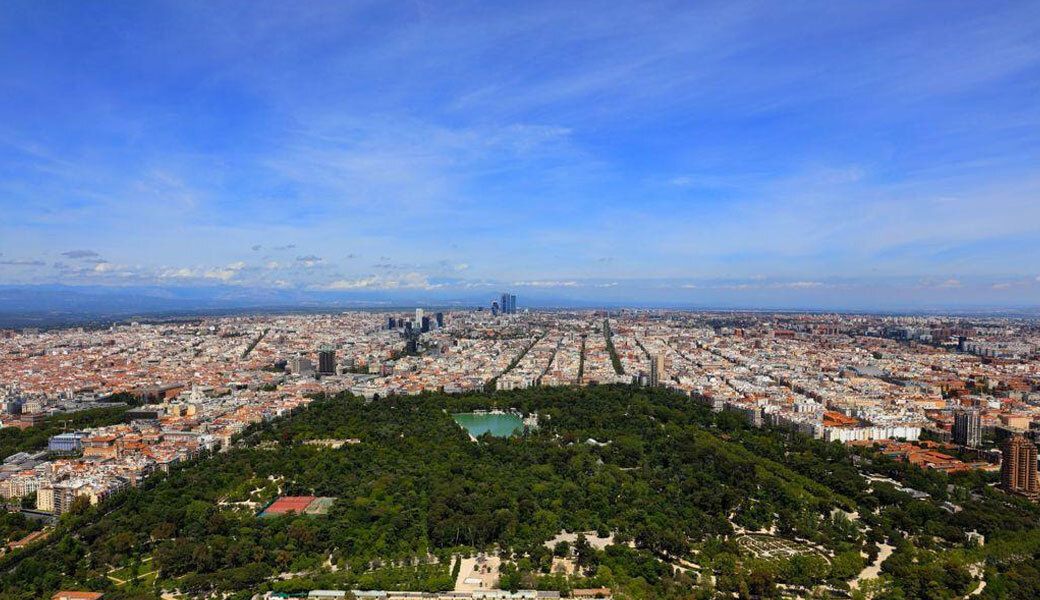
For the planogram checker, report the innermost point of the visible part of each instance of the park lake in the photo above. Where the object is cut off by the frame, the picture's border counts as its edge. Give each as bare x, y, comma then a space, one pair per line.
498, 424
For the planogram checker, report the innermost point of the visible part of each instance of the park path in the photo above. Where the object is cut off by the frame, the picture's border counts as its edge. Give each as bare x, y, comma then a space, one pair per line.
873, 570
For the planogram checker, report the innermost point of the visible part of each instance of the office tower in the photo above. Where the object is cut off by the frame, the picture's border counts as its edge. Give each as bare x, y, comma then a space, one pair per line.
657, 371
508, 304
967, 428
408, 328
327, 361
1018, 467
440, 320
391, 323
494, 308
418, 315
425, 324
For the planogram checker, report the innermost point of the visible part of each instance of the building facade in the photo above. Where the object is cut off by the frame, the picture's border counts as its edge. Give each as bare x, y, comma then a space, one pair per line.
1018, 473
967, 428
327, 361
657, 370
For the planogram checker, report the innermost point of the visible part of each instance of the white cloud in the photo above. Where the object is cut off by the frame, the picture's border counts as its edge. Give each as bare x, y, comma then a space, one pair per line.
181, 273
760, 285
353, 284
1018, 283
227, 273
80, 254
951, 283
546, 283
382, 282
221, 274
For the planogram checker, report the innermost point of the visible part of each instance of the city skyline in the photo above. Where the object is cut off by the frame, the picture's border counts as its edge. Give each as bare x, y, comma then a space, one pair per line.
832, 156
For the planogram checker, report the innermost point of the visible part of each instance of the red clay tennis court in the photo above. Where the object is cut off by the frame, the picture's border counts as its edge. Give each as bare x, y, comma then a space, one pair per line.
285, 504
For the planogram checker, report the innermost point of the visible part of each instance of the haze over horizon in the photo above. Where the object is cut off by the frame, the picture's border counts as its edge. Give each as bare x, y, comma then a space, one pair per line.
861, 155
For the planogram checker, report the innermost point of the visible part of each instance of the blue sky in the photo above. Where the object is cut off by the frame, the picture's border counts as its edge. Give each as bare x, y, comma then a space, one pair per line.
734, 152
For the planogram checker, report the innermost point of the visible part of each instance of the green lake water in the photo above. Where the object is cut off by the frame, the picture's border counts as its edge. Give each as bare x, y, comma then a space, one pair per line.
498, 425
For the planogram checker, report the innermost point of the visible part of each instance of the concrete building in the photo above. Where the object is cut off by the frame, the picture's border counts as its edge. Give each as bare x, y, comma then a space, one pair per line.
301, 365
657, 370
327, 361
1018, 473
967, 428
67, 442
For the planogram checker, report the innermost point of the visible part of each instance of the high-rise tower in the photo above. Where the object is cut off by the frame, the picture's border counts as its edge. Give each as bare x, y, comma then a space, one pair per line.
327, 361
657, 371
1018, 473
967, 428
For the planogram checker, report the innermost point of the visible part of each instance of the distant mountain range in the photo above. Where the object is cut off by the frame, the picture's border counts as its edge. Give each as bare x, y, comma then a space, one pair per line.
55, 305
61, 305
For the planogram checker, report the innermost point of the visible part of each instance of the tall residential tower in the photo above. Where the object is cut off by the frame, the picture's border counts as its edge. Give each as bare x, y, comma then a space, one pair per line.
1018, 473
967, 427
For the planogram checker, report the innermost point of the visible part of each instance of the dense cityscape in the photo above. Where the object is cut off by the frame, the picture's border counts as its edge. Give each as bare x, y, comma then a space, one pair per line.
946, 394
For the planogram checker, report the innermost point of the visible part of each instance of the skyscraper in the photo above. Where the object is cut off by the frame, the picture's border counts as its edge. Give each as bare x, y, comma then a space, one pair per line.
494, 308
967, 428
418, 315
391, 323
508, 304
440, 320
327, 361
425, 324
1018, 473
657, 371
